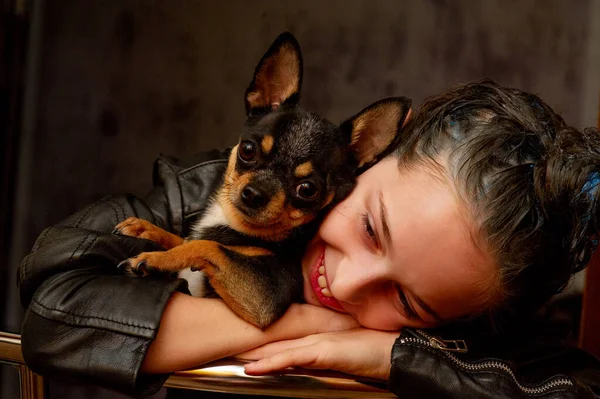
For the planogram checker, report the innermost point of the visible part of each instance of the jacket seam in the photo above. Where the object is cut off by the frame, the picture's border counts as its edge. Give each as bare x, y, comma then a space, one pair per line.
155, 214
87, 211
114, 209
170, 205
77, 248
40, 240
88, 317
87, 248
120, 208
503, 375
24, 267
202, 164
181, 205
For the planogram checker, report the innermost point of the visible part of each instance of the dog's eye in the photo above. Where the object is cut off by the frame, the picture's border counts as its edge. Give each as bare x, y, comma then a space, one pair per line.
247, 150
307, 190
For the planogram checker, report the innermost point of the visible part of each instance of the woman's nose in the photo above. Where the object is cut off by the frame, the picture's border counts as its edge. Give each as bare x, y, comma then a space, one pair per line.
355, 280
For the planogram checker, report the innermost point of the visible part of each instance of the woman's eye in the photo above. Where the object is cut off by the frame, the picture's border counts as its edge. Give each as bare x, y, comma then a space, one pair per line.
247, 150
407, 310
369, 229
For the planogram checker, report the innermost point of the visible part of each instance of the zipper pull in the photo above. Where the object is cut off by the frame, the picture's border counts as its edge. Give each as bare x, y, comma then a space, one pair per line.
450, 345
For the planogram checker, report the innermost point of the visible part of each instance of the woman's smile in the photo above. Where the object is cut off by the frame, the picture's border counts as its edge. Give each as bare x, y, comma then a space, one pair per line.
317, 282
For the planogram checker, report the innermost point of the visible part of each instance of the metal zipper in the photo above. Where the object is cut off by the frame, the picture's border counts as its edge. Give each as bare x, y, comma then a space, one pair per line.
447, 346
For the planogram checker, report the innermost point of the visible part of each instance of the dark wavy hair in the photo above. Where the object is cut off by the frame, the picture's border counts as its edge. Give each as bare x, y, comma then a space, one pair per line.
530, 181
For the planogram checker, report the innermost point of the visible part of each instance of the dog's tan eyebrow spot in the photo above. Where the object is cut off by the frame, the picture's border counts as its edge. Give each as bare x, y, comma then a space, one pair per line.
328, 200
267, 144
296, 214
304, 169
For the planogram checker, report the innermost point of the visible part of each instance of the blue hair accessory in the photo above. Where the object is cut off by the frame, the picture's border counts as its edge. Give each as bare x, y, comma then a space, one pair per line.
454, 128
590, 186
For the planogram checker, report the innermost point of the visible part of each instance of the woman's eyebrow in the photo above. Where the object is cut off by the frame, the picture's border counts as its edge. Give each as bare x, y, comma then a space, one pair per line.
384, 224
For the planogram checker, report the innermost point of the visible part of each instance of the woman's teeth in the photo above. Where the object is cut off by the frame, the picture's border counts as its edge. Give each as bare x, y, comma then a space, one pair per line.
323, 282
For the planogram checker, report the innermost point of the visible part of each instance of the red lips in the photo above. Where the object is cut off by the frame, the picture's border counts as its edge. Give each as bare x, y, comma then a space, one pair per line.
329, 302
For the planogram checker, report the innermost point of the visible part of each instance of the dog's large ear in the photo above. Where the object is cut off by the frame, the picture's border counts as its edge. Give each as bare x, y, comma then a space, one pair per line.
278, 76
375, 131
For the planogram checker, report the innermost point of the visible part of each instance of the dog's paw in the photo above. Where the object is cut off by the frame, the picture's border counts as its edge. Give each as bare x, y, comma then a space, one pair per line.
135, 267
134, 227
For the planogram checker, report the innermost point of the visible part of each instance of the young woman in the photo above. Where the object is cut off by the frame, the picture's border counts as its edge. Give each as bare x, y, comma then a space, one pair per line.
489, 205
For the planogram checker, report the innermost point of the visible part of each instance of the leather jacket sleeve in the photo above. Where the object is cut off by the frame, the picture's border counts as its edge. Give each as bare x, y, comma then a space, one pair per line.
83, 320
457, 362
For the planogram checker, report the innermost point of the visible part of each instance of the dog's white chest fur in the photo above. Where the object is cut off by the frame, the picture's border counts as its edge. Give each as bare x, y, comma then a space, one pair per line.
213, 216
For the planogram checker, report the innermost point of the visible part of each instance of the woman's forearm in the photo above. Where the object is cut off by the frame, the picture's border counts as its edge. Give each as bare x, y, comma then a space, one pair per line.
194, 331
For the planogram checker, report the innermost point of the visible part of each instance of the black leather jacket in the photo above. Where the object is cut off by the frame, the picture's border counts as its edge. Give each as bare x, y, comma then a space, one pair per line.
86, 322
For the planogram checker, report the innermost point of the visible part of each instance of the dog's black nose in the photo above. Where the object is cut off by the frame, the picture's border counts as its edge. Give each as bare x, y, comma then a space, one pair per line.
253, 197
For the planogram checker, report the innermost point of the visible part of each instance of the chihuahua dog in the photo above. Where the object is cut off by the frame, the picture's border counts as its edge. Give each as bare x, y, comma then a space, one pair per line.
288, 169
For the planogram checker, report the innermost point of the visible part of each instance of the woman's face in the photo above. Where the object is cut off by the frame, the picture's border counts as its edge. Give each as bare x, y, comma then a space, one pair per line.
398, 252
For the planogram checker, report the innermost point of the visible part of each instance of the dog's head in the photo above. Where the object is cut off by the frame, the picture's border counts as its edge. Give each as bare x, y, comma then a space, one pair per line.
291, 164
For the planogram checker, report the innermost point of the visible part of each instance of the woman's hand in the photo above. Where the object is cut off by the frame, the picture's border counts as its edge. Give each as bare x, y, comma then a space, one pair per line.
301, 320
361, 351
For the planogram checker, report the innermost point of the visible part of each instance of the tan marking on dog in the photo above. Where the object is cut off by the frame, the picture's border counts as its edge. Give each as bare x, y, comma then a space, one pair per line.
241, 181
328, 200
301, 220
274, 208
293, 217
303, 170
230, 173
296, 213
267, 144
226, 198
249, 251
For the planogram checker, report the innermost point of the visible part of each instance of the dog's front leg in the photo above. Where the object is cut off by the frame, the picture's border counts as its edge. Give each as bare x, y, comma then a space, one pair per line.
136, 227
251, 281
195, 254
237, 273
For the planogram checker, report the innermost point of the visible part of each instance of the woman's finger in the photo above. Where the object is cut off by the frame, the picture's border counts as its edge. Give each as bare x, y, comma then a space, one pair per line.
302, 356
272, 348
